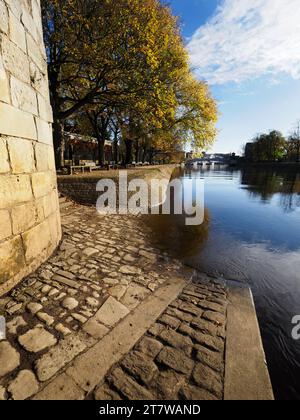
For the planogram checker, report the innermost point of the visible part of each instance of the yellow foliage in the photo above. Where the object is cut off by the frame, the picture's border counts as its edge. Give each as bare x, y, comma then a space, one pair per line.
127, 55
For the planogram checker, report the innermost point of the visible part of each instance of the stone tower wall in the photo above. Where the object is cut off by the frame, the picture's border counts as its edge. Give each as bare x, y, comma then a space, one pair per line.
29, 210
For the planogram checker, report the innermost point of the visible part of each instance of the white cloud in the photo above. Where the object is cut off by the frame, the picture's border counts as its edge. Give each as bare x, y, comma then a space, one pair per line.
248, 39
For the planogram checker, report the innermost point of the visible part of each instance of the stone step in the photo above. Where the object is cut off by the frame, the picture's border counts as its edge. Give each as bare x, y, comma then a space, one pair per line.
87, 370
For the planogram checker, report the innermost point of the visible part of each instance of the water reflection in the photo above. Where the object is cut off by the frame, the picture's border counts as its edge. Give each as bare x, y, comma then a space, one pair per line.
265, 183
170, 233
251, 233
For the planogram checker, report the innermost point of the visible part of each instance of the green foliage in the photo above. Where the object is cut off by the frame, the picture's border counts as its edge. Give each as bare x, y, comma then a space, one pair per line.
267, 147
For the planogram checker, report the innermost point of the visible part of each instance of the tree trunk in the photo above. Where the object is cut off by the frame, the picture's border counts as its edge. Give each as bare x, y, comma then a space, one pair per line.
137, 151
101, 144
145, 154
128, 159
151, 154
59, 143
116, 147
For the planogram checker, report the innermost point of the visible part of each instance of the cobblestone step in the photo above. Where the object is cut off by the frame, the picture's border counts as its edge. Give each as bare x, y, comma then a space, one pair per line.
176, 359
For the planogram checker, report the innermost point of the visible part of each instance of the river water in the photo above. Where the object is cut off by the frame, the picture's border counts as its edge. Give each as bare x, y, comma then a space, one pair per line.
251, 233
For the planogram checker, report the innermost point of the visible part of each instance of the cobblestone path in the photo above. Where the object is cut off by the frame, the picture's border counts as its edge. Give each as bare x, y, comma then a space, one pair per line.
102, 271
182, 354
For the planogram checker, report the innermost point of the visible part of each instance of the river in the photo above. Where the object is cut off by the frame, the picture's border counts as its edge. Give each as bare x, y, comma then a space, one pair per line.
251, 233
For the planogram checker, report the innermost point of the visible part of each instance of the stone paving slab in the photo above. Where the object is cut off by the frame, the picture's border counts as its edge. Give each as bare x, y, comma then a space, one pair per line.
247, 376
182, 355
103, 269
87, 369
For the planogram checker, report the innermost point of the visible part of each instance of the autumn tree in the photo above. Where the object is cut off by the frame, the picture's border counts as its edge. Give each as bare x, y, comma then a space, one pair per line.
125, 55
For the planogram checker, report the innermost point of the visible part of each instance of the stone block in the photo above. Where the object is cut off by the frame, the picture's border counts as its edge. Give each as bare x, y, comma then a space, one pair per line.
45, 110
44, 131
4, 162
128, 387
23, 96
45, 318
95, 329
167, 384
215, 317
44, 157
149, 346
11, 259
17, 32
175, 359
24, 386
67, 349
34, 308
41, 157
4, 84
16, 323
9, 358
27, 20
14, 189
176, 340
62, 329
3, 17
50, 204
15, 60
23, 217
36, 14
170, 321
54, 223
39, 80
21, 155
140, 366
208, 379
111, 312
16, 123
70, 303
51, 159
39, 206
104, 393
192, 393
42, 183
134, 295
5, 225
37, 339
210, 358
212, 343
62, 388
35, 53
15, 7
36, 241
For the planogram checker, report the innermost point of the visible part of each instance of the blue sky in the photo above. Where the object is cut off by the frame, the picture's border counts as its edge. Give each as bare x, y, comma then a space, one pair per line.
249, 52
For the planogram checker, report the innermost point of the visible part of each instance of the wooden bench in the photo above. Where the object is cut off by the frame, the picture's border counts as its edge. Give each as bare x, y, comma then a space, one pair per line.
74, 168
94, 168
90, 168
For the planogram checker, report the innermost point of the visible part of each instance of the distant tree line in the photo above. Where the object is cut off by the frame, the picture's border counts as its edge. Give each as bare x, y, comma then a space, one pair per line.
274, 147
119, 71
